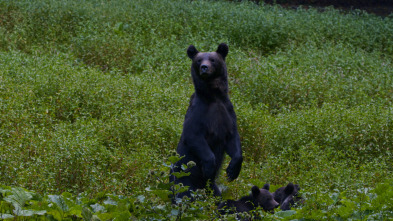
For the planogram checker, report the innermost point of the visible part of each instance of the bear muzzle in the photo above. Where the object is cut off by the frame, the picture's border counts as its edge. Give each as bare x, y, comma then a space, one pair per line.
204, 68
205, 71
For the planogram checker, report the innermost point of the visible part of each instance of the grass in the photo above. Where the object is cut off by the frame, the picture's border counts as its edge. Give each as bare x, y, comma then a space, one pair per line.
93, 96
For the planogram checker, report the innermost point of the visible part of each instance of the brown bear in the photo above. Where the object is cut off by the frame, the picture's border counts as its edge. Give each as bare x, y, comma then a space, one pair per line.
209, 128
287, 196
258, 198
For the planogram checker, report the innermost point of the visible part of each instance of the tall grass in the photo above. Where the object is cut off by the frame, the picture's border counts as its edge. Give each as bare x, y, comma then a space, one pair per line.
93, 93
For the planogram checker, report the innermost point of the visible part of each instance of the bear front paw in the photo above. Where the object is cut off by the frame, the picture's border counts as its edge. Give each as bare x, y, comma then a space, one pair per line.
234, 168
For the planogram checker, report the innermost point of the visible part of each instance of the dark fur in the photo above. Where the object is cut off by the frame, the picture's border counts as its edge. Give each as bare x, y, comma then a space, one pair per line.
209, 128
287, 196
258, 198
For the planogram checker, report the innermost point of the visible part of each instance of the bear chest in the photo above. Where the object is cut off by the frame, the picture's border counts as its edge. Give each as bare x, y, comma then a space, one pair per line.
219, 122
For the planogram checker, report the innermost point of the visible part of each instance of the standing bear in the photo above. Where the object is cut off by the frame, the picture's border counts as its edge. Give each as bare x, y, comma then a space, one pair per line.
209, 128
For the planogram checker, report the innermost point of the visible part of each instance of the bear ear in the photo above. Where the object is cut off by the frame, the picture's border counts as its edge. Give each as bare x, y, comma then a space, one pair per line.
192, 51
223, 50
296, 190
255, 191
289, 189
266, 186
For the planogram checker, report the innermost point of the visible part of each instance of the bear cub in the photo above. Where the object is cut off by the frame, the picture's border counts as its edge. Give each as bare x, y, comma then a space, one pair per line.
258, 198
287, 196
209, 128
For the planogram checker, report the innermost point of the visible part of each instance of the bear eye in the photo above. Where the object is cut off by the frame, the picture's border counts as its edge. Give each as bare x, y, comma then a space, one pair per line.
199, 60
212, 60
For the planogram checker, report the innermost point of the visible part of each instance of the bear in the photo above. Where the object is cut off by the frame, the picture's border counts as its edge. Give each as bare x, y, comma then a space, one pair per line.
258, 198
209, 128
287, 196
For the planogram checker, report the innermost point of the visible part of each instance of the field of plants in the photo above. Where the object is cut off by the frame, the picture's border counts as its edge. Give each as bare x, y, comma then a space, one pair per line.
93, 95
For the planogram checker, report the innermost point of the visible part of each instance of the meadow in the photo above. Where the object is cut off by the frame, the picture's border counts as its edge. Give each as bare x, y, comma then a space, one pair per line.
93, 95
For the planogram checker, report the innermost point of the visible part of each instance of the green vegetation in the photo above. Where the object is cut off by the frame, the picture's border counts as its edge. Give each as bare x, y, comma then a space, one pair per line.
93, 96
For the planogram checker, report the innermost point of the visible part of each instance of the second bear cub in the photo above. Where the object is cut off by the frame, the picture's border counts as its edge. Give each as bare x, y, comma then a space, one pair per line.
287, 196
258, 198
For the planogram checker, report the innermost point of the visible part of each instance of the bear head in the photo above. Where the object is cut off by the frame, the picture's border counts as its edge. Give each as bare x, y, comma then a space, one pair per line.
263, 198
209, 65
287, 196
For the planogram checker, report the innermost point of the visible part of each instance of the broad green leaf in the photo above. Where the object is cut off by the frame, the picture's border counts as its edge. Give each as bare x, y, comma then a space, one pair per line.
164, 186
163, 194
119, 27
19, 197
161, 207
4, 190
60, 202
126, 215
335, 197
87, 214
6, 216
141, 198
96, 218
97, 208
27, 213
181, 174
181, 189
56, 213
110, 201
73, 207
174, 212
174, 159
67, 195
106, 216
76, 210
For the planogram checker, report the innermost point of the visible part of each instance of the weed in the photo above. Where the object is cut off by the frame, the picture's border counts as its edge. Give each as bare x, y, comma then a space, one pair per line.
93, 96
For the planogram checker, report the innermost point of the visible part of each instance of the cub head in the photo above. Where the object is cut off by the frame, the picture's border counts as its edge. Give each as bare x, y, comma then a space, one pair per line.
288, 196
263, 198
283, 192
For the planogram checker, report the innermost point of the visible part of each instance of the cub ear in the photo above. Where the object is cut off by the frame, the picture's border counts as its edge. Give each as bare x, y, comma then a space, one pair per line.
297, 187
223, 50
192, 51
255, 191
266, 186
289, 189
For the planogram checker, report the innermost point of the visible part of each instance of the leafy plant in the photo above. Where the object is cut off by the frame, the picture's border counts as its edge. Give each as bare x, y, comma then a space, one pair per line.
93, 96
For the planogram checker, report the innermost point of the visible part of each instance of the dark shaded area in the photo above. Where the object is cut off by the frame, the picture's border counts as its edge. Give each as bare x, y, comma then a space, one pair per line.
378, 7
334, 2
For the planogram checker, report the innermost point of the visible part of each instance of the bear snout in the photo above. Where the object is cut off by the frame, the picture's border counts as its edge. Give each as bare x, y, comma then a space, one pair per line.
276, 205
204, 68
272, 204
